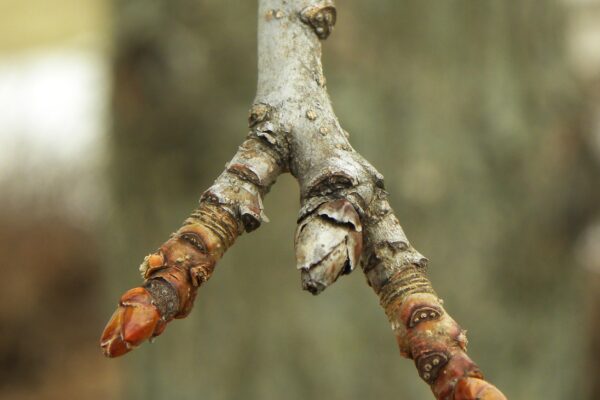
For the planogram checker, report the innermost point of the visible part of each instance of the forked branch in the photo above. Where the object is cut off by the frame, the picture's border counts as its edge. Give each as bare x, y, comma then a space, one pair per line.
345, 217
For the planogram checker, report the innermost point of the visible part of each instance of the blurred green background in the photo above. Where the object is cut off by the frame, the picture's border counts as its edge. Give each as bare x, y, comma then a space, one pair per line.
484, 116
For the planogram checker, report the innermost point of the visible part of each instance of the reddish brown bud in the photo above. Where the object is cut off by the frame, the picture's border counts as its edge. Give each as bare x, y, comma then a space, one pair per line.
151, 263
139, 323
156, 260
135, 320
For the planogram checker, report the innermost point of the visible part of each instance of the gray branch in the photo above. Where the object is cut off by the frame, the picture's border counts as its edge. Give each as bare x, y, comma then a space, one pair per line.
302, 123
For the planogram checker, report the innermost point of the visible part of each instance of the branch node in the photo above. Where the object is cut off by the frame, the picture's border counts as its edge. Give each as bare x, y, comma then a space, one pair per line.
332, 178
151, 263
321, 17
164, 297
259, 112
246, 200
266, 131
422, 314
429, 365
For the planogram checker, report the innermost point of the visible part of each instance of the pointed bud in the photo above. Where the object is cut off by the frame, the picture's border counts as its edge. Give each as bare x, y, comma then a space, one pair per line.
328, 244
135, 320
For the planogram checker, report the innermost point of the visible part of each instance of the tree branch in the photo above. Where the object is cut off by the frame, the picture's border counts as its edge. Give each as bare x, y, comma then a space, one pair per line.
345, 217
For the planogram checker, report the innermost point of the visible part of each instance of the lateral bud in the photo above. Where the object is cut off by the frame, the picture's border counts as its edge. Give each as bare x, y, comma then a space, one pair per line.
321, 17
328, 244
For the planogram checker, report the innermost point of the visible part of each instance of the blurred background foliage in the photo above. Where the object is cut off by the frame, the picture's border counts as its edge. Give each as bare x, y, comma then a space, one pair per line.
484, 116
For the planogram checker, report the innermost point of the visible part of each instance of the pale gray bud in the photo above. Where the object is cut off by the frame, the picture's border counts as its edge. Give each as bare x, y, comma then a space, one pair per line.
328, 244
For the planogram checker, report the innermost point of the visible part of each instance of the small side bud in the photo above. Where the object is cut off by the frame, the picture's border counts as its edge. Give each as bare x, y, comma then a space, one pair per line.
321, 17
328, 244
151, 263
259, 112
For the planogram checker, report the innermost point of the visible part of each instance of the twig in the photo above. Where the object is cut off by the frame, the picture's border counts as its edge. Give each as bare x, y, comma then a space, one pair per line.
345, 217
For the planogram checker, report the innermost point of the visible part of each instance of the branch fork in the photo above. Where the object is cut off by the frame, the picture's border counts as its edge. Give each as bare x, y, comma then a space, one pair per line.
345, 217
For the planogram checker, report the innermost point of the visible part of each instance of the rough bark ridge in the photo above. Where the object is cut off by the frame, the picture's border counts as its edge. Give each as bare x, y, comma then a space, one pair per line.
345, 218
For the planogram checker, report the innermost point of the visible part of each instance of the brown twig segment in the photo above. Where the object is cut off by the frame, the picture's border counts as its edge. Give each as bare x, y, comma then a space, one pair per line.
428, 335
173, 275
181, 265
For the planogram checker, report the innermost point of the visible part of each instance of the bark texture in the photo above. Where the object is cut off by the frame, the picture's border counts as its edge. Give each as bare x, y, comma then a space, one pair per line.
345, 217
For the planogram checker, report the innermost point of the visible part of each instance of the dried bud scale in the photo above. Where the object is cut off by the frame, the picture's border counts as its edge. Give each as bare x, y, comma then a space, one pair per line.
328, 244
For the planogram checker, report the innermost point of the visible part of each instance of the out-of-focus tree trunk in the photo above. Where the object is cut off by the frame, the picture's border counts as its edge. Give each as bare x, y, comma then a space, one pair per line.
584, 55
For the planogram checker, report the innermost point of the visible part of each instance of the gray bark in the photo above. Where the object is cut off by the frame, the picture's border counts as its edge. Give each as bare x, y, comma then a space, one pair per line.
306, 129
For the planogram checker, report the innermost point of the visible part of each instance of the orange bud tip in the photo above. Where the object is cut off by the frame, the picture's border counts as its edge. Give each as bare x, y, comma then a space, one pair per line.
115, 347
138, 295
134, 321
139, 323
476, 389
156, 260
